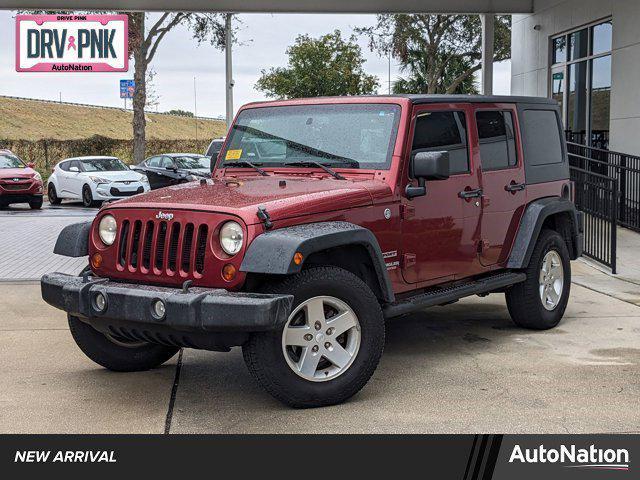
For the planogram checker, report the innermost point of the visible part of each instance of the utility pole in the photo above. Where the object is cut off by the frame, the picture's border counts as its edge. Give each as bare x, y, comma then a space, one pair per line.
228, 41
195, 105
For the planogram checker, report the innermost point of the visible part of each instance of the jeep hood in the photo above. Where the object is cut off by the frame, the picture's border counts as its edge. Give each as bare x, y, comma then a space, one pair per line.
283, 196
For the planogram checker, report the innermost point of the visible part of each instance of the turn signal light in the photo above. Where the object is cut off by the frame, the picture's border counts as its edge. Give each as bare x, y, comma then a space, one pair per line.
297, 258
228, 272
96, 260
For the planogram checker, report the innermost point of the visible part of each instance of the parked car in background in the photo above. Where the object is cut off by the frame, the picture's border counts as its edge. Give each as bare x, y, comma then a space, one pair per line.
94, 180
19, 182
174, 168
214, 149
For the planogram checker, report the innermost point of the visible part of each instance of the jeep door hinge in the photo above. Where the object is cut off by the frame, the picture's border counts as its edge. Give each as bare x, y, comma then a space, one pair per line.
407, 211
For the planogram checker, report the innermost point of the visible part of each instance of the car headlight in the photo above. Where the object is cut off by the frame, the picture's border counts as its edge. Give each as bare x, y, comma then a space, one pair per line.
99, 179
144, 179
37, 176
231, 237
107, 229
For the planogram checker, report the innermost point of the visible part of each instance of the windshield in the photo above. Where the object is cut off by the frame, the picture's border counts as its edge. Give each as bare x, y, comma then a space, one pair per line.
353, 135
103, 165
214, 148
191, 162
10, 161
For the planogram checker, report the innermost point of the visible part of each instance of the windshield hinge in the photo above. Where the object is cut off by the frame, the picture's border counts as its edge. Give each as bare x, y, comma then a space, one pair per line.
265, 217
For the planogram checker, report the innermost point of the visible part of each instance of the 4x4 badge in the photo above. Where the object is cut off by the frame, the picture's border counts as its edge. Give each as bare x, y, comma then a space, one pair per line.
164, 216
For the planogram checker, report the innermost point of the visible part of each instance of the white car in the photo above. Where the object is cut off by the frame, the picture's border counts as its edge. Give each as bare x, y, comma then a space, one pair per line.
94, 180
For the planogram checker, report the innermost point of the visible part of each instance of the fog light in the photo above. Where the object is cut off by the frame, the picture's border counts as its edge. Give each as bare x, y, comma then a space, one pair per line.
100, 302
228, 272
96, 260
159, 309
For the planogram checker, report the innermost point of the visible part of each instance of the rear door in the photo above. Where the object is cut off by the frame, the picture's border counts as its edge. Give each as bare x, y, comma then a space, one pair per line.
502, 180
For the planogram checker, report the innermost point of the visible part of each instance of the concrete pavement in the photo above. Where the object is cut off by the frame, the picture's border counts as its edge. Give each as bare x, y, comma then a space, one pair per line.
459, 368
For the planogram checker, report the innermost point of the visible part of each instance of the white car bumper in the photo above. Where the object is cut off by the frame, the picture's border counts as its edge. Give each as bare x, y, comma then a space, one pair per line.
116, 190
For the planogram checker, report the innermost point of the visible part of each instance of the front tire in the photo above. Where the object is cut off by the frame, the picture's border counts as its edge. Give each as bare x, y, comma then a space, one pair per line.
53, 195
115, 354
330, 345
539, 302
87, 197
36, 204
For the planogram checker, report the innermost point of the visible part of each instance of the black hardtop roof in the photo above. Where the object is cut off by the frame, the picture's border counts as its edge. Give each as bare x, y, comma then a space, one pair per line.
420, 99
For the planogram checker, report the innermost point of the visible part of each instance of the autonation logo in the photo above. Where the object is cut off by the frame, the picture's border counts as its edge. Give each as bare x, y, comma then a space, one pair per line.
574, 457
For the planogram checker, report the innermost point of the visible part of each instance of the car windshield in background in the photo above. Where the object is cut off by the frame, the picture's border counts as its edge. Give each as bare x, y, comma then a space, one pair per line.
343, 135
214, 149
191, 163
103, 165
10, 161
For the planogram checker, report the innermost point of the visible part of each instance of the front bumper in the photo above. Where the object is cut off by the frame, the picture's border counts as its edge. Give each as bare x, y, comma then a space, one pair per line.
129, 308
117, 190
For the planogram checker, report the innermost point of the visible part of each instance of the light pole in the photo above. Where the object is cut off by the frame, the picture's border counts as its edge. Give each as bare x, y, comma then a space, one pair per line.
228, 41
195, 105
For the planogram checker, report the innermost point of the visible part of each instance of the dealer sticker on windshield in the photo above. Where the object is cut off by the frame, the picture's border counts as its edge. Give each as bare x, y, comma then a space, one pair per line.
233, 154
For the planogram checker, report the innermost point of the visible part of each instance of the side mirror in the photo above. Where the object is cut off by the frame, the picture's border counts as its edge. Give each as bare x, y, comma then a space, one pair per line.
427, 166
74, 169
31, 165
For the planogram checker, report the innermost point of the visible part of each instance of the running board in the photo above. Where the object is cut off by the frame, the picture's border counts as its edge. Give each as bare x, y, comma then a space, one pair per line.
441, 296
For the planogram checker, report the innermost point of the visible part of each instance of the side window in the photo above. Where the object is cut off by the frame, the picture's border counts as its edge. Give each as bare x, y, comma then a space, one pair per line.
166, 162
541, 132
497, 140
64, 166
78, 165
443, 131
153, 162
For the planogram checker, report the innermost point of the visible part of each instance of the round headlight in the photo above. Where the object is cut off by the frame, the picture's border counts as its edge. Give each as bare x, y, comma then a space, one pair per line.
107, 230
231, 237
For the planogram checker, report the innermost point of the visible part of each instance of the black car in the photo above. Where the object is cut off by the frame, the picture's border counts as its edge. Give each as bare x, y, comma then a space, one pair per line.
174, 168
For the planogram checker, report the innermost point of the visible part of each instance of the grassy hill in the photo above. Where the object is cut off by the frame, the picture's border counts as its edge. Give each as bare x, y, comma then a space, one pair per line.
34, 120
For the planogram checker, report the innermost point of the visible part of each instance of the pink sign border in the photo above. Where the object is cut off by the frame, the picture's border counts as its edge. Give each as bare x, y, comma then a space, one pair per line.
96, 67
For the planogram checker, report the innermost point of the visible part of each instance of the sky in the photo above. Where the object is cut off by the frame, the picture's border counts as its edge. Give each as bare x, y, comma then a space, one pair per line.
263, 40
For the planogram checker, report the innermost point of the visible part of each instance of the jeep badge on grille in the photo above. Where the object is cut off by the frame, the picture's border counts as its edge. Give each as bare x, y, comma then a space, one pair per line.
164, 216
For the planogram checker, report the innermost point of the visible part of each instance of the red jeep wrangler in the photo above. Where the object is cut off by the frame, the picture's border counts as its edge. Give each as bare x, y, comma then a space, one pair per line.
323, 218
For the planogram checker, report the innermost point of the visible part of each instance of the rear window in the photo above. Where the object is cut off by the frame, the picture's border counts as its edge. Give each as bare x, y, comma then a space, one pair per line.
542, 143
497, 140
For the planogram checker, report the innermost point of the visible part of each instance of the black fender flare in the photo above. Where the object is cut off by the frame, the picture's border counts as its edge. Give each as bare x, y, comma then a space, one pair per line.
272, 252
73, 240
531, 224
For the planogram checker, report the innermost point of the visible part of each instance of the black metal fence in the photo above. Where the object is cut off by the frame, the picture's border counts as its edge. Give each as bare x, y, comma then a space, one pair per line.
624, 168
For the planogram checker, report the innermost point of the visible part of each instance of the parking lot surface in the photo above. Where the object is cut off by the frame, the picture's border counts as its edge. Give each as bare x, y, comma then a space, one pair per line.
460, 368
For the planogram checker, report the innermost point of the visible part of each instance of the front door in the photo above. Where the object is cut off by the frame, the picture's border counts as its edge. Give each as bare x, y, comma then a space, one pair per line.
437, 245
502, 180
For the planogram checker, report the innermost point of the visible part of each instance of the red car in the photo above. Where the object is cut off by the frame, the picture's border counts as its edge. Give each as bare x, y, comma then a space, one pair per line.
325, 218
19, 182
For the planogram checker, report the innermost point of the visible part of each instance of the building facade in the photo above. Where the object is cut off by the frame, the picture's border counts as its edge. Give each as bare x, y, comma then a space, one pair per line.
586, 55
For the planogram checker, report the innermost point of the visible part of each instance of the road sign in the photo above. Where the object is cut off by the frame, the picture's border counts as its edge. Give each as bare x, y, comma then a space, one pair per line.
127, 88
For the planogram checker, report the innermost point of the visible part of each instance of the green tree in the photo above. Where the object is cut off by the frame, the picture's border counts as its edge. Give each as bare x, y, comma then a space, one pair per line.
437, 53
325, 66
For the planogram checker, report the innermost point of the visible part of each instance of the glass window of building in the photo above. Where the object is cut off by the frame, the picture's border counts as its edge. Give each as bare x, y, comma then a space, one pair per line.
580, 81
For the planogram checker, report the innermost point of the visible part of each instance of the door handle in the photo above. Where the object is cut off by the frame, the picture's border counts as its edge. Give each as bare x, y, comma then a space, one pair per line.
514, 187
467, 194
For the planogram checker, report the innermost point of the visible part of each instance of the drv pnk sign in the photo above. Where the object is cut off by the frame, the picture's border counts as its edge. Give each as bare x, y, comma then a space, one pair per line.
72, 43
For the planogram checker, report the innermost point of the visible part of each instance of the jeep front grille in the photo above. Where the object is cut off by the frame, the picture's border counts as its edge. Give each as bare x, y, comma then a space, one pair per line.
168, 247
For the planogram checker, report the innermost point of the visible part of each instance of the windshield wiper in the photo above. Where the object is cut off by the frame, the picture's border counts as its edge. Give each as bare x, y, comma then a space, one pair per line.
311, 163
244, 163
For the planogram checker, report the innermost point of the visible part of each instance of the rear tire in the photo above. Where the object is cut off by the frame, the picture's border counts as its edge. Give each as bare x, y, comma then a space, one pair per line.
53, 195
356, 343
548, 278
115, 354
